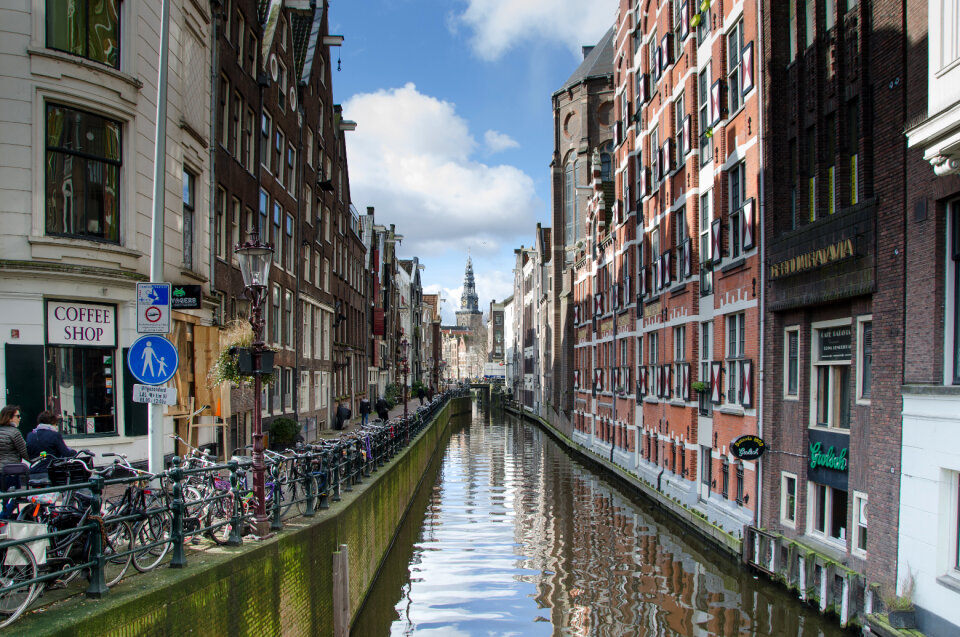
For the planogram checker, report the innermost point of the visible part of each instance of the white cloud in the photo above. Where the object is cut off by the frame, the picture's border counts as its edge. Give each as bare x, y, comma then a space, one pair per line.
497, 142
410, 158
497, 25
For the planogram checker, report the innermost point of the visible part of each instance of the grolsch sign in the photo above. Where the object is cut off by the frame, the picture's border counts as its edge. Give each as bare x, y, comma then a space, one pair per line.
81, 324
748, 447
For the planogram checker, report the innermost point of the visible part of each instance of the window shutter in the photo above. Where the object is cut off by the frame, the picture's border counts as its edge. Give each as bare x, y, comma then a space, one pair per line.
666, 268
685, 381
656, 275
626, 288
716, 102
716, 245
576, 314
668, 163
643, 89
656, 64
746, 383
716, 391
600, 376
598, 303
666, 51
576, 379
687, 258
668, 380
643, 282
747, 225
644, 181
687, 131
746, 68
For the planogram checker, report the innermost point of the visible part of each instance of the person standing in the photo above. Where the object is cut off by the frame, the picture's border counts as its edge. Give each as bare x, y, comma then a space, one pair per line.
364, 410
45, 437
343, 415
13, 449
383, 410
420, 394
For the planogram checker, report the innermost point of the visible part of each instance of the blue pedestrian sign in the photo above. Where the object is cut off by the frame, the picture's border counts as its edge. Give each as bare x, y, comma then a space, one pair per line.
153, 360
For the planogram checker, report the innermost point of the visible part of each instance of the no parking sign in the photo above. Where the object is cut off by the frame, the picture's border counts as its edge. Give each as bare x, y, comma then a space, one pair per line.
153, 308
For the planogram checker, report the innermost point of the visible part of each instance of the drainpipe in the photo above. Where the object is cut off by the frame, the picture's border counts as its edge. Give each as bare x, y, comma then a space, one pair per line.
301, 242
214, 85
763, 259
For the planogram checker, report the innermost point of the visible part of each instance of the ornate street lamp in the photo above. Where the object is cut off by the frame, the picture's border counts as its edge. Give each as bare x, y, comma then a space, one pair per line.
255, 259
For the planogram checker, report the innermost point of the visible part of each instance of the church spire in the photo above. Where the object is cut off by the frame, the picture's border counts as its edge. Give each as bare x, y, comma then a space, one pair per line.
469, 301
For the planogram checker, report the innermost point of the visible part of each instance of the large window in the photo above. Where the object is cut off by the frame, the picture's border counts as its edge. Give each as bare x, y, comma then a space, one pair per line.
827, 511
80, 387
864, 358
83, 162
679, 111
275, 315
737, 177
734, 51
569, 203
859, 546
788, 499
706, 355
703, 104
736, 344
189, 209
831, 377
88, 28
791, 361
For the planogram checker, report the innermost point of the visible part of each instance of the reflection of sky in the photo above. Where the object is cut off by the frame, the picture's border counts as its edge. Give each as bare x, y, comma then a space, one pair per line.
519, 540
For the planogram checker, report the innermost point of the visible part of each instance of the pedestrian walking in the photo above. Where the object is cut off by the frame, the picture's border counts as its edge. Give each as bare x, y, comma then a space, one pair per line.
343, 415
46, 438
430, 393
364, 411
420, 394
383, 410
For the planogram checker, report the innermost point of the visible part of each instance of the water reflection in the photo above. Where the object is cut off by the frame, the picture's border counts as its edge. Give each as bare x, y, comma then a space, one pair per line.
516, 538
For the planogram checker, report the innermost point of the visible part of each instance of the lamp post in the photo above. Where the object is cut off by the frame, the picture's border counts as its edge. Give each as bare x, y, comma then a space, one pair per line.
255, 259
404, 346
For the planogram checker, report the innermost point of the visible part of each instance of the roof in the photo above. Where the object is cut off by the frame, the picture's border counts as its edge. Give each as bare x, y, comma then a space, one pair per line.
599, 62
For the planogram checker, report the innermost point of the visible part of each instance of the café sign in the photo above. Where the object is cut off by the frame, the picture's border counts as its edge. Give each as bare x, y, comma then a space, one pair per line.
748, 447
835, 343
814, 259
81, 324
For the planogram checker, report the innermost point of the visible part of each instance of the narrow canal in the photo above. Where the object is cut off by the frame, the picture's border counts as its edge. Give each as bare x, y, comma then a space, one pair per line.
510, 535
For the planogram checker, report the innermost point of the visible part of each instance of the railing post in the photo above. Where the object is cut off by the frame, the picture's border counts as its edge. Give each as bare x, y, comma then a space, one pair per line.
308, 479
179, 558
323, 493
335, 467
275, 523
367, 456
236, 524
98, 585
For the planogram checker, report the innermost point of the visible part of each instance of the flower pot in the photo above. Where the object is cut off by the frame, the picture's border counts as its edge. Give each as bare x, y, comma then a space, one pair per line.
902, 618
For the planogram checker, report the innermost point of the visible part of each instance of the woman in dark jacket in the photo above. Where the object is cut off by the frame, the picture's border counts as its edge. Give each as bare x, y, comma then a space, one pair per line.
46, 438
13, 449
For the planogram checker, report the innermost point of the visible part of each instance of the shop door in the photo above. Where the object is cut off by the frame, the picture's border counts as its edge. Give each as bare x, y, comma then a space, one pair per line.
24, 372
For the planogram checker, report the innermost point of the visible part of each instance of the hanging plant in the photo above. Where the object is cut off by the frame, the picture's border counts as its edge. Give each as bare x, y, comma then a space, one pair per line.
701, 387
225, 368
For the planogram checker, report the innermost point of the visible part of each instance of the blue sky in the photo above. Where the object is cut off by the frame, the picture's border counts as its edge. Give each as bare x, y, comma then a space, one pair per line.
454, 126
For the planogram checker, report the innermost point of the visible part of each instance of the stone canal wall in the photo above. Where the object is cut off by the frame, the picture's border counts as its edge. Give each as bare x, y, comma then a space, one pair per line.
283, 585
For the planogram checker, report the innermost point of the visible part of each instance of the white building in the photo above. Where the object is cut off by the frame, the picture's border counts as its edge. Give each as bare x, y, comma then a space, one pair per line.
78, 110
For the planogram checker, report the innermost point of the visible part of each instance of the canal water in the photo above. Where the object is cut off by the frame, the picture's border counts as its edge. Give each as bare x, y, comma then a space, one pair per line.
510, 535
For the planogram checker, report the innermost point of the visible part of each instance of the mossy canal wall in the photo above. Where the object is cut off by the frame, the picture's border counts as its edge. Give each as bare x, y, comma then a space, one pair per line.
280, 586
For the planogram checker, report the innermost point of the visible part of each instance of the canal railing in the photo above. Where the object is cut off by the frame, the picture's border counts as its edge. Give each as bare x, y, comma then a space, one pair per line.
118, 517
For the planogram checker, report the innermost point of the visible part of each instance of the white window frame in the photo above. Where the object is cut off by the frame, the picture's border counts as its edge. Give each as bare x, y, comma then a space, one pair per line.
736, 179
734, 53
855, 549
785, 519
706, 218
814, 375
795, 329
679, 358
812, 504
948, 536
734, 355
304, 397
861, 320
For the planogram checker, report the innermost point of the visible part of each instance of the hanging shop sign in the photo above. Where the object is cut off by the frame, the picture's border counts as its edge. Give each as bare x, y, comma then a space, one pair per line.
828, 461
748, 447
186, 297
839, 251
81, 324
835, 343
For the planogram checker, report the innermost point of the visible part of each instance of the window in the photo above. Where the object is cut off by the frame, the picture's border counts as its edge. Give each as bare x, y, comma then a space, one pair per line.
569, 203
679, 110
831, 377
859, 544
265, 125
655, 158
219, 222
788, 499
703, 27
653, 46
703, 95
304, 397
289, 248
288, 318
653, 345
189, 208
791, 363
679, 357
679, 238
86, 28
277, 233
734, 52
827, 511
809, 11
853, 147
241, 36
287, 389
831, 14
246, 144
812, 172
864, 357
253, 43
83, 160
737, 179
79, 389
736, 344
308, 201
236, 126
309, 147
678, 34
275, 315
282, 87
792, 25
316, 263
224, 111
291, 162
279, 145
706, 218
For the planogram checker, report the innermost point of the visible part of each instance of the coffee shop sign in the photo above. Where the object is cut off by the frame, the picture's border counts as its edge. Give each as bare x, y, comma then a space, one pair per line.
89, 324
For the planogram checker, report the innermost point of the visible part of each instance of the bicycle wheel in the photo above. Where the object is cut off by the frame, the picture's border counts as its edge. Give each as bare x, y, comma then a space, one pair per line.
17, 565
118, 540
285, 490
219, 511
147, 532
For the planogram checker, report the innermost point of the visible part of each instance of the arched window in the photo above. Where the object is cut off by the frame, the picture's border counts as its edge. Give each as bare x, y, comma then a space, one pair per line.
606, 162
569, 202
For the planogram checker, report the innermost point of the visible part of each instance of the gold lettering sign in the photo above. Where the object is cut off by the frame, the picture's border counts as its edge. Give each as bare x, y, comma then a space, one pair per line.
649, 311
812, 260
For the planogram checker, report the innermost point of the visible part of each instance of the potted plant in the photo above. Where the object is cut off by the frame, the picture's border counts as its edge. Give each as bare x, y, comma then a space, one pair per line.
901, 612
283, 431
700, 387
237, 334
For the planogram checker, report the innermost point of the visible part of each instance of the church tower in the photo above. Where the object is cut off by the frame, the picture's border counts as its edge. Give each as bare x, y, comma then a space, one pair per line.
469, 314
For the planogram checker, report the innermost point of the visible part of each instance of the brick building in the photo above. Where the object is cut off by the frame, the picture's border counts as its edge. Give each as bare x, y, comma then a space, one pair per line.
835, 236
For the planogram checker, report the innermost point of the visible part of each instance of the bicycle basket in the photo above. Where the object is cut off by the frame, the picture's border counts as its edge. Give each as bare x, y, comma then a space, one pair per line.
63, 472
16, 530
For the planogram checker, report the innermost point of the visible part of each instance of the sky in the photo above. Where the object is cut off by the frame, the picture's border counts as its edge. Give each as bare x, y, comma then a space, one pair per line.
454, 137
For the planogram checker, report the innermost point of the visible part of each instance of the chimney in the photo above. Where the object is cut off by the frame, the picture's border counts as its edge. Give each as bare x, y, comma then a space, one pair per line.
586, 51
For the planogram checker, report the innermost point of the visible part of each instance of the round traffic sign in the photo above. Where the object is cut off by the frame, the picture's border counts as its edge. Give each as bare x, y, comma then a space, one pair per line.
153, 360
153, 314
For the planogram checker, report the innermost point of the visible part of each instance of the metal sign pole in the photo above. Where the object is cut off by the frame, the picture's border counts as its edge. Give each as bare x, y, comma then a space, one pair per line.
155, 417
